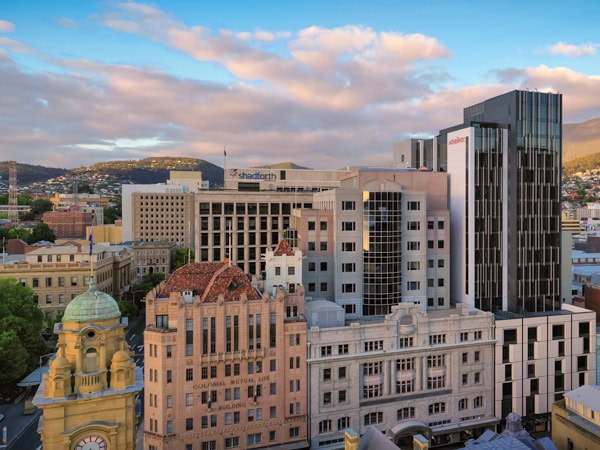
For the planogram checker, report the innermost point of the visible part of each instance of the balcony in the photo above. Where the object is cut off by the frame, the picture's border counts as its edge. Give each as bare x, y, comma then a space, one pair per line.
86, 383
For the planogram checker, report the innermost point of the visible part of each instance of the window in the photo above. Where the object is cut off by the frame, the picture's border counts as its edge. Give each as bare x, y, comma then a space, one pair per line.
348, 205
413, 285
169, 351
510, 336
437, 408
342, 396
311, 225
323, 246
478, 402
348, 246
169, 376
232, 442
463, 404
430, 225
413, 265
405, 413
311, 246
341, 373
327, 374
440, 244
189, 399
477, 335
326, 350
348, 288
291, 270
209, 445
342, 349
348, 226
441, 263
465, 358
373, 346
413, 226
435, 339
436, 382
189, 424
273, 389
169, 426
294, 432
327, 398
162, 321
272, 365
440, 282
343, 423
440, 224
189, 374
255, 438
323, 226
413, 245
324, 426
312, 266
465, 379
169, 401
436, 360
558, 331
413, 206
323, 266
477, 377
477, 356
373, 418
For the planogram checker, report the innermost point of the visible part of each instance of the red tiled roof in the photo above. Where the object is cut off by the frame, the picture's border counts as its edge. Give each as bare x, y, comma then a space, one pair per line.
209, 280
283, 248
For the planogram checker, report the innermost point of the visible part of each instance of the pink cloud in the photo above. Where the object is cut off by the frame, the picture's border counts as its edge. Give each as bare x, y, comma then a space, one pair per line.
562, 48
6, 26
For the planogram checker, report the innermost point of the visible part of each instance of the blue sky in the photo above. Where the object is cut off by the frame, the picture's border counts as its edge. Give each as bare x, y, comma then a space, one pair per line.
320, 83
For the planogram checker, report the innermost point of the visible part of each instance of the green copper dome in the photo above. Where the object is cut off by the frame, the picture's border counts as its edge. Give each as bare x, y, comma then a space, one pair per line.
90, 306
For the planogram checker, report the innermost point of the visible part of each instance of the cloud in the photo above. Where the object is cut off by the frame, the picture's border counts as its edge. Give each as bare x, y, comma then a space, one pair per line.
6, 27
65, 22
562, 48
329, 97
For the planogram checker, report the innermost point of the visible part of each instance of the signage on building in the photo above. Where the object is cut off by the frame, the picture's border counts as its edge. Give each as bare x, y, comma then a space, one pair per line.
456, 140
252, 175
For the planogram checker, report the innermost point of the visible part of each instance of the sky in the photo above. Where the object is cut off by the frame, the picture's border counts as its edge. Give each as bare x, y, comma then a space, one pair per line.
321, 83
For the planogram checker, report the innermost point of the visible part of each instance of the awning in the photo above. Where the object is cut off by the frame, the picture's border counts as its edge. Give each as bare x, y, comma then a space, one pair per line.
34, 378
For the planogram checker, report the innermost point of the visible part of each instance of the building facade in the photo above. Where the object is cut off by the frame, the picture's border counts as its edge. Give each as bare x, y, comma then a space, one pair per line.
576, 419
411, 372
68, 224
152, 257
88, 397
379, 240
225, 366
504, 163
541, 356
242, 226
268, 179
58, 273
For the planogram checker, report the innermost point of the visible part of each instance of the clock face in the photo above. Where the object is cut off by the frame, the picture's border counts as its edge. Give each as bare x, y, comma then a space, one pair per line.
91, 442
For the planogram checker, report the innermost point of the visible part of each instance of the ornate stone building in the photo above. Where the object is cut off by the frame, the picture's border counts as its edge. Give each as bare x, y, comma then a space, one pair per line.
88, 397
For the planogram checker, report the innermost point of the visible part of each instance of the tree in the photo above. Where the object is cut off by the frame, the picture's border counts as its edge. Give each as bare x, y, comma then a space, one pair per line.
39, 206
14, 357
127, 308
41, 232
20, 315
183, 256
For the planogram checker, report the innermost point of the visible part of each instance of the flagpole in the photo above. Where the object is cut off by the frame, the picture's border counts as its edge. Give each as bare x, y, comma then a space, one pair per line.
224, 164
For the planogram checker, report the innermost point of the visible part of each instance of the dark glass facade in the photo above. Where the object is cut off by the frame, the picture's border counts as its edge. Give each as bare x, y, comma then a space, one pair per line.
531, 170
382, 240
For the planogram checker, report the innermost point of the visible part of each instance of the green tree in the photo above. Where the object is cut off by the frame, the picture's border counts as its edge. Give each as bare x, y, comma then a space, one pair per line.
19, 233
20, 314
183, 256
127, 308
39, 206
41, 232
14, 357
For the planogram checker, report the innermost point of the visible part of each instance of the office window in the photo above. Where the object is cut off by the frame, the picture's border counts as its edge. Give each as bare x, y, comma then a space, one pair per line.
437, 408
463, 404
323, 226
413, 245
324, 426
413, 226
413, 285
373, 418
323, 246
311, 225
348, 246
348, 288
348, 205
348, 226
413, 206
413, 265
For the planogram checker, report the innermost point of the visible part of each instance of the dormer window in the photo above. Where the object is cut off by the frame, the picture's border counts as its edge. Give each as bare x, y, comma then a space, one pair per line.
188, 293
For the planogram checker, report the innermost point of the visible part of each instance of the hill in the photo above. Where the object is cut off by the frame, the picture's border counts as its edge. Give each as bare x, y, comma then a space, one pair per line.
27, 173
581, 146
156, 169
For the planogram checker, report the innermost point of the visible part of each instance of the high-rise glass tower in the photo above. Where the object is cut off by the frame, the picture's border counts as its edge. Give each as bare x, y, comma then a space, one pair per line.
504, 165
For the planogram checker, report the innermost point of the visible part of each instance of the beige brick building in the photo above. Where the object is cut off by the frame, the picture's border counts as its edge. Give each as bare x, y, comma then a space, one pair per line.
58, 273
225, 366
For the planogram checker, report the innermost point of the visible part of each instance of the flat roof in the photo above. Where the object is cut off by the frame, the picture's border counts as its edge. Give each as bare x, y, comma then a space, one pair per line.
587, 395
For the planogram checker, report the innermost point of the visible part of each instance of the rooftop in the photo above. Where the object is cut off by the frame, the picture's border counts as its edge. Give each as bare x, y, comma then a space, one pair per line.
209, 280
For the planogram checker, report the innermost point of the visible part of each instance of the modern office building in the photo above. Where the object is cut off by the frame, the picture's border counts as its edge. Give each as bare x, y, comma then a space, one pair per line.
539, 357
158, 212
225, 365
241, 226
410, 372
504, 165
267, 179
382, 238
88, 397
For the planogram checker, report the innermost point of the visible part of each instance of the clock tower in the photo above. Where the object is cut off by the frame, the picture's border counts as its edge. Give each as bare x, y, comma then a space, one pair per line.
88, 397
